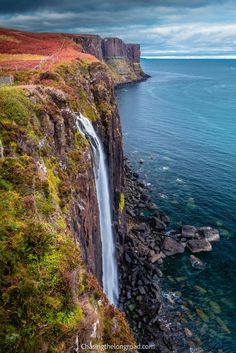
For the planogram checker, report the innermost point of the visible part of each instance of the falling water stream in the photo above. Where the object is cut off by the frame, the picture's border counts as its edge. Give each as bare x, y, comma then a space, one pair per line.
110, 273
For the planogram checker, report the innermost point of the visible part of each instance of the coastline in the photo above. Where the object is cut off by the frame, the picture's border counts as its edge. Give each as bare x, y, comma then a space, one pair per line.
157, 316
149, 311
133, 82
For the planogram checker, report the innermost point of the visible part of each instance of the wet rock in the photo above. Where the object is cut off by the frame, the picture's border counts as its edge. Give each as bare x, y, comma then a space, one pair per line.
152, 206
202, 315
141, 227
157, 223
209, 233
187, 332
200, 289
223, 325
196, 262
215, 307
172, 246
141, 161
155, 258
189, 231
165, 218
159, 272
199, 245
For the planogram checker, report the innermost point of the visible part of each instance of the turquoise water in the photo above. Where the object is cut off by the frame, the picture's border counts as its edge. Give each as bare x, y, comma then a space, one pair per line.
182, 123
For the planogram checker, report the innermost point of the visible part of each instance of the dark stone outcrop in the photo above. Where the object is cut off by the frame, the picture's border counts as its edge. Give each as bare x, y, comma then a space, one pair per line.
104, 48
133, 52
123, 59
91, 44
114, 48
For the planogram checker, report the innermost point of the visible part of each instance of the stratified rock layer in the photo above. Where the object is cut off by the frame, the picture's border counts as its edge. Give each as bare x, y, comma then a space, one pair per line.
123, 59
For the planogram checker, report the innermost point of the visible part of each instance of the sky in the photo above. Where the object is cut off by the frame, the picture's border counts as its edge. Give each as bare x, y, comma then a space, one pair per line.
164, 28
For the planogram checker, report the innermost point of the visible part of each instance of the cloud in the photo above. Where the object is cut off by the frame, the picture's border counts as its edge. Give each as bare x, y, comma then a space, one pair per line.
168, 26
12, 6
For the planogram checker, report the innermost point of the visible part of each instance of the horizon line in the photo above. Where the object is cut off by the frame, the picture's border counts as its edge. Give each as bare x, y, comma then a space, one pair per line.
181, 57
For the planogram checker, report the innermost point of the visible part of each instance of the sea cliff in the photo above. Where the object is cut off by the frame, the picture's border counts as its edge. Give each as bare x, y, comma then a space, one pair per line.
122, 59
51, 245
51, 258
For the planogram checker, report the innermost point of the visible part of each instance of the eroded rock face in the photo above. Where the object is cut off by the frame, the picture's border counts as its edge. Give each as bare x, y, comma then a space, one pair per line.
91, 44
123, 59
114, 48
133, 52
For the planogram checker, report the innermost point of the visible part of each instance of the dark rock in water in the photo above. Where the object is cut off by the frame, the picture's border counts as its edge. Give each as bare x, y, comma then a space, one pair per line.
172, 246
141, 161
141, 205
189, 231
165, 218
145, 197
157, 223
199, 245
152, 206
187, 332
209, 233
159, 273
196, 262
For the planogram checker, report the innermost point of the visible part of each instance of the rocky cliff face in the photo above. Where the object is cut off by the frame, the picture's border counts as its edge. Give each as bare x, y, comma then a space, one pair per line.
51, 258
123, 59
49, 213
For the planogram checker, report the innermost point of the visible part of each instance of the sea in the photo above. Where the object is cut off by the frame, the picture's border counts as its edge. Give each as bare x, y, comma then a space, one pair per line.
182, 123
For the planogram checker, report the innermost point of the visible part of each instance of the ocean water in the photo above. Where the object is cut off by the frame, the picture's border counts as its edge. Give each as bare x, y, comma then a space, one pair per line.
182, 123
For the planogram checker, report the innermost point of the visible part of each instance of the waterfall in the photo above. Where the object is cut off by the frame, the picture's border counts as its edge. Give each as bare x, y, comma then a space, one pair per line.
109, 263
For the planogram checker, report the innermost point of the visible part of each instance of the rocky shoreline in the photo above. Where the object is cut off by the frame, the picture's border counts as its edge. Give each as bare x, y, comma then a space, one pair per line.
133, 82
157, 318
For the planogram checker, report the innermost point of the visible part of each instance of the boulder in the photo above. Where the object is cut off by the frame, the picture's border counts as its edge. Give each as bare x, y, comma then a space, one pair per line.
140, 227
172, 246
189, 231
157, 223
199, 245
155, 258
187, 332
196, 262
209, 233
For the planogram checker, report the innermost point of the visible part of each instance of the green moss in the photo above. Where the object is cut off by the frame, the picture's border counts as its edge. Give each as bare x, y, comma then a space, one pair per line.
122, 202
87, 108
36, 264
37, 260
14, 106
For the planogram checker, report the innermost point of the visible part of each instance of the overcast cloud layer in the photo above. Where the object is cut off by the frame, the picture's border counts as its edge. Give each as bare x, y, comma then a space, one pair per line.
162, 27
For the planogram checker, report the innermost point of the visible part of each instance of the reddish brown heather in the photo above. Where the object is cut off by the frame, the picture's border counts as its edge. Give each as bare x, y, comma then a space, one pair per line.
50, 49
